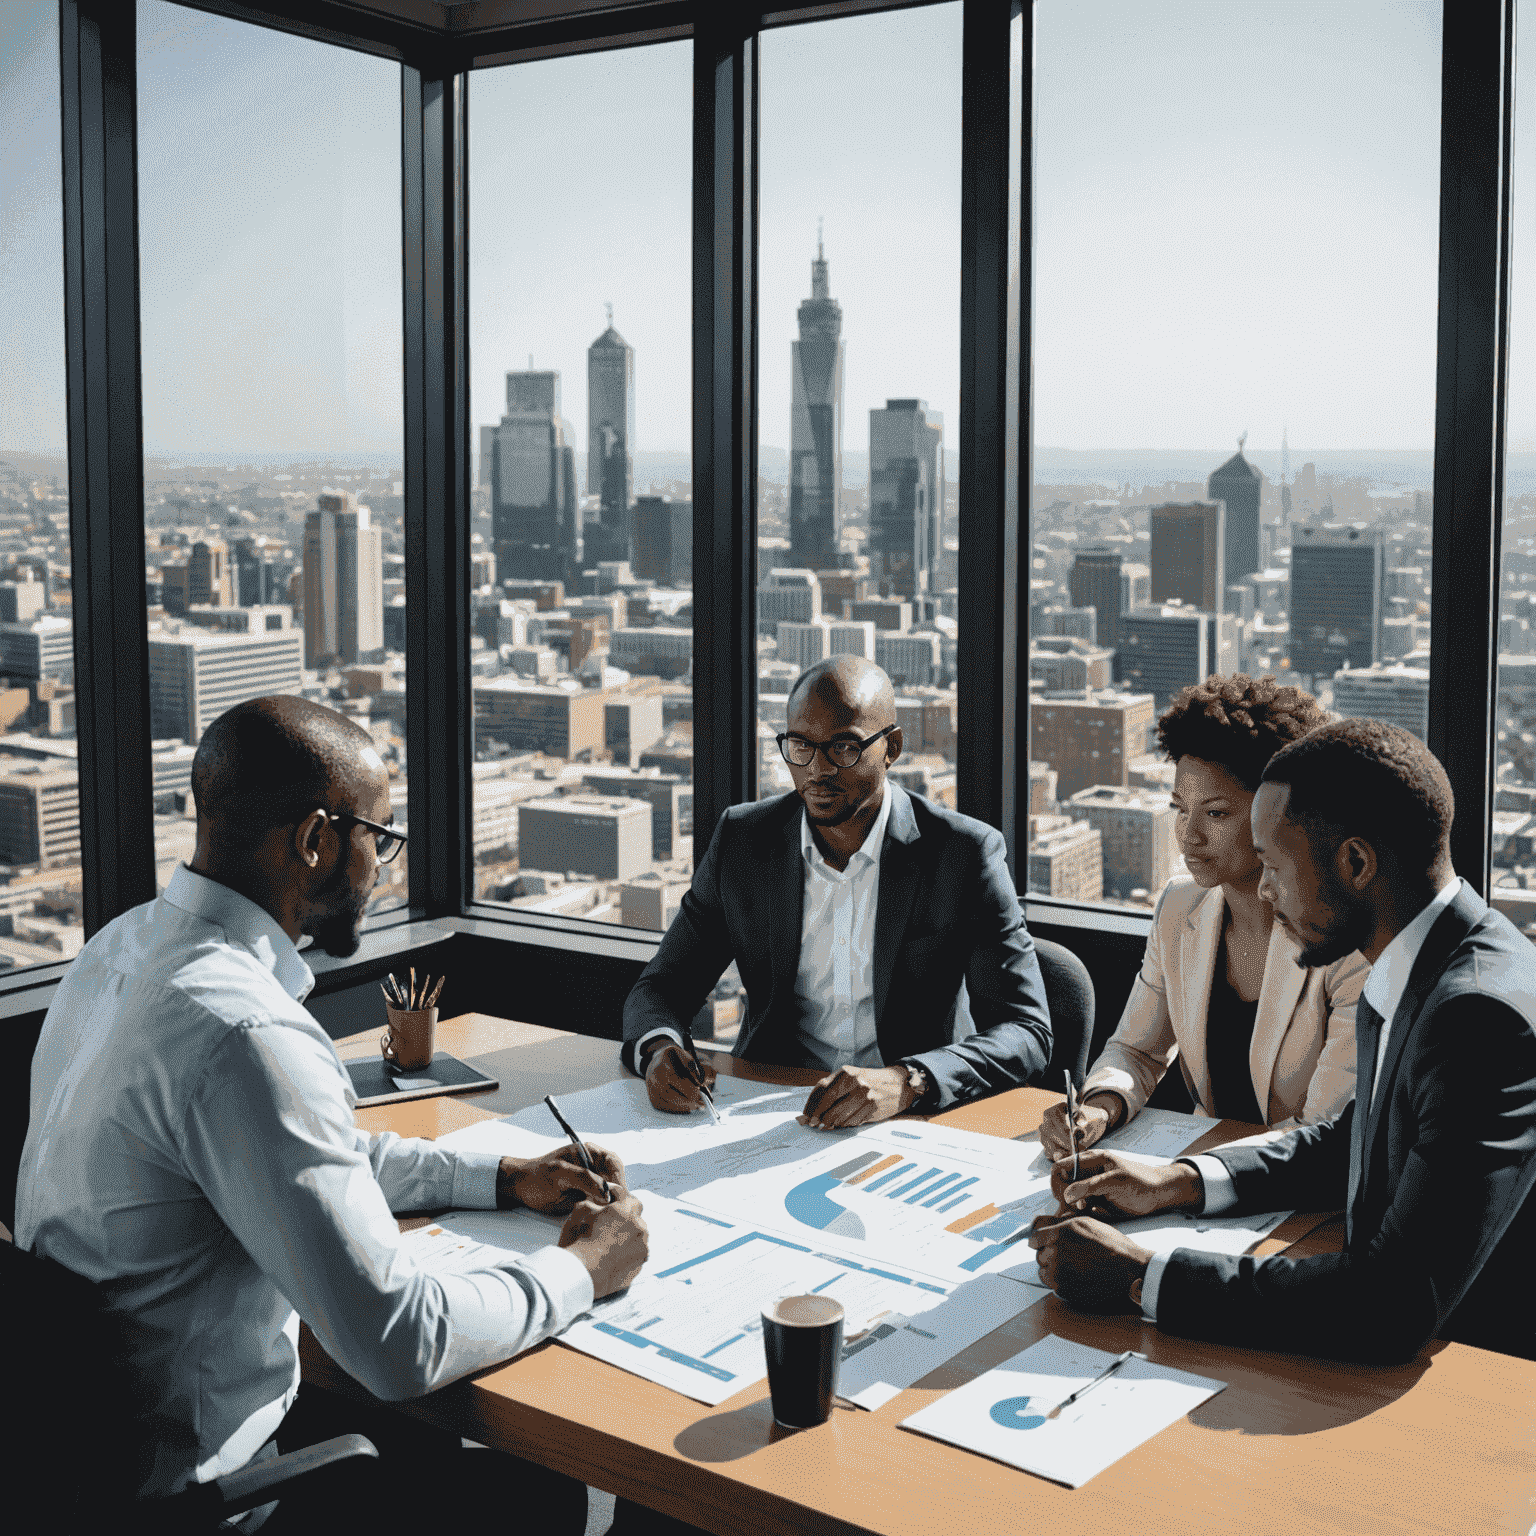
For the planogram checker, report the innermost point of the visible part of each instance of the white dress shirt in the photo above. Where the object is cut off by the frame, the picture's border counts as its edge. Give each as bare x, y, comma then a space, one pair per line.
1383, 990
192, 1149
835, 981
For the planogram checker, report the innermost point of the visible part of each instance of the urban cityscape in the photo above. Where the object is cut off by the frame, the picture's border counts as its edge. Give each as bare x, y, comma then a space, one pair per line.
292, 579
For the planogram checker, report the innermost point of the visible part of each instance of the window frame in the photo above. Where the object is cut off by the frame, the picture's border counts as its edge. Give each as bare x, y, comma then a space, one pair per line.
98, 128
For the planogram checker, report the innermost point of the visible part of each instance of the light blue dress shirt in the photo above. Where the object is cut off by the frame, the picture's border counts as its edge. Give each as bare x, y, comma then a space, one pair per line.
192, 1149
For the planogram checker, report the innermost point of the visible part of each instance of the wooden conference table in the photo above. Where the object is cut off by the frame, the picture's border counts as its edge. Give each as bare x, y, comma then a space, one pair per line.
1293, 1446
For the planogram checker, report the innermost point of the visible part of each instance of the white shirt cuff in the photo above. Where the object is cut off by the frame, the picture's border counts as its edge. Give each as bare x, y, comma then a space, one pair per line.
666, 1030
474, 1181
1220, 1195
1150, 1282
565, 1279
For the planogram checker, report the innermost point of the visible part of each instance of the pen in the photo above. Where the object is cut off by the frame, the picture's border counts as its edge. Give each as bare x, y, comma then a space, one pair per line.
1072, 1120
1104, 1375
696, 1068
581, 1151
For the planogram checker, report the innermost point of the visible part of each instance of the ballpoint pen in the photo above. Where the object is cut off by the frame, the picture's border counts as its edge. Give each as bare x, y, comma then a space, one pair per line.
581, 1151
1072, 1120
1104, 1375
696, 1070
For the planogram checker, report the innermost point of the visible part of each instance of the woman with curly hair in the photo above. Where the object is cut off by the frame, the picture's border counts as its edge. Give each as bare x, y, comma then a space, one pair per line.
1257, 1037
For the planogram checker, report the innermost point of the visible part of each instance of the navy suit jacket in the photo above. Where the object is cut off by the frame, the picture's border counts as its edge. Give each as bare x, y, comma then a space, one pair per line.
1435, 1177
956, 981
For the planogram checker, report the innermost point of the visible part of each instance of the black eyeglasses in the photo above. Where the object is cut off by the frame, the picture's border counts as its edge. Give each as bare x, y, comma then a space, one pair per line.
387, 841
841, 751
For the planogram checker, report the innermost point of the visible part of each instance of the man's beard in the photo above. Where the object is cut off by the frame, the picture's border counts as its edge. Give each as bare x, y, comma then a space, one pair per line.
336, 927
1350, 924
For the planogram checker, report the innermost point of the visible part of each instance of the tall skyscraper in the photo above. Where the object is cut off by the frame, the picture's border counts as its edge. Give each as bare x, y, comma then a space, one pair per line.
816, 427
1238, 484
610, 444
663, 541
535, 516
1187, 542
1095, 583
906, 497
1336, 583
1166, 649
343, 584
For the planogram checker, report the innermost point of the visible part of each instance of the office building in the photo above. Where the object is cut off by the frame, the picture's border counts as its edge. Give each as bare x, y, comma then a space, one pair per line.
631, 723
1063, 662
1168, 648
21, 601
343, 584
39, 812
1042, 789
1095, 583
535, 513
1090, 738
530, 716
662, 541
816, 428
1140, 851
1187, 554
669, 797
196, 674
610, 445
651, 902
852, 637
1238, 485
663, 650
787, 594
596, 835
171, 763
910, 661
40, 647
1067, 861
1397, 695
239, 620
906, 497
210, 580
885, 613
803, 645
1060, 619
1335, 598
259, 573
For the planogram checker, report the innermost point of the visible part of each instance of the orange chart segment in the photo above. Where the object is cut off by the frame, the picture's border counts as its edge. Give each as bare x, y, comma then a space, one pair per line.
974, 1219
869, 1173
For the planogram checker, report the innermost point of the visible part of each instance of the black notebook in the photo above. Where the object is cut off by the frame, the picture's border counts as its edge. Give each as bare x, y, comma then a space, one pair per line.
375, 1081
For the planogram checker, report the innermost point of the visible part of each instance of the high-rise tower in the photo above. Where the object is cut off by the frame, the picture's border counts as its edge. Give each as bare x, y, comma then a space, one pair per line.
1238, 484
610, 444
906, 497
816, 427
1187, 542
535, 516
343, 584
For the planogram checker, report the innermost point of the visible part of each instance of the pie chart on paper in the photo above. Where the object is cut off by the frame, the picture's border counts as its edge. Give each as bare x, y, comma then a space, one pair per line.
1016, 1413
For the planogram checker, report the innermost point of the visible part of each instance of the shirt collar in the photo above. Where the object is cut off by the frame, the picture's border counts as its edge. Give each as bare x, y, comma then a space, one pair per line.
244, 923
868, 850
1388, 980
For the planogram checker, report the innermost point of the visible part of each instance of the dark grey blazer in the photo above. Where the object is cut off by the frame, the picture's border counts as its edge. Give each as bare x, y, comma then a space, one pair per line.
1435, 1181
957, 984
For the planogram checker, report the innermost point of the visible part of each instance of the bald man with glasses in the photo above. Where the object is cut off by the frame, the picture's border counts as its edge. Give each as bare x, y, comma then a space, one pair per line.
879, 935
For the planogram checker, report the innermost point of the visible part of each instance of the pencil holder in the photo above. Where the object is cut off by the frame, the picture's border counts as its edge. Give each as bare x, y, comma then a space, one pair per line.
408, 1042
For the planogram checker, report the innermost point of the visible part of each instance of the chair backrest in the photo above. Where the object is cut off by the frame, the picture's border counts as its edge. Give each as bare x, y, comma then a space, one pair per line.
1069, 992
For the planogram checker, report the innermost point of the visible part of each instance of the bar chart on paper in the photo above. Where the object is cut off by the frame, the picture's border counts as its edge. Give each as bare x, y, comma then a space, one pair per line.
948, 1204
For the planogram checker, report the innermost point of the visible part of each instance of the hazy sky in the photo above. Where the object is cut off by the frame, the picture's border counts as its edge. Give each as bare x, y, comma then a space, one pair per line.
1235, 205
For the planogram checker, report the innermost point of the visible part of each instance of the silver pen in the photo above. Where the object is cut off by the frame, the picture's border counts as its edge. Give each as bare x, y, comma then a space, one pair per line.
1104, 1375
1072, 1120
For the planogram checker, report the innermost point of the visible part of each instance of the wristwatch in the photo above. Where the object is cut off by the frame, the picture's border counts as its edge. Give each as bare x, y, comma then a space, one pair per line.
918, 1081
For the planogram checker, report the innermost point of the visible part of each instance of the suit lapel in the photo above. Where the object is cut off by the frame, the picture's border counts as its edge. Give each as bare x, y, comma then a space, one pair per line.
1278, 996
900, 876
1196, 973
1367, 1037
785, 879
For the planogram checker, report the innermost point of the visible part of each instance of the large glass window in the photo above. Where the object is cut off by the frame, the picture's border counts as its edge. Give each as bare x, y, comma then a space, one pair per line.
859, 371
1236, 220
1514, 805
580, 285
269, 238
40, 895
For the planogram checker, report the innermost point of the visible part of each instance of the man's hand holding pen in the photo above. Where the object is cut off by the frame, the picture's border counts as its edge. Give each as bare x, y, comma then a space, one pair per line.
558, 1181
675, 1081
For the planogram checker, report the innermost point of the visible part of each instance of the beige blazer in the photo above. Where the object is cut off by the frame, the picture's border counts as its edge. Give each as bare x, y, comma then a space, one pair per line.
1302, 1060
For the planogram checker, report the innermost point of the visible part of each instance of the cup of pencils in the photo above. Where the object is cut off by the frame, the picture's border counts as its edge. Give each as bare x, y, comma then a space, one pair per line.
407, 1044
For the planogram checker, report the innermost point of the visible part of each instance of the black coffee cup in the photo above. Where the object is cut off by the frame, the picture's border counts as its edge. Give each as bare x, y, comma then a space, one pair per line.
803, 1340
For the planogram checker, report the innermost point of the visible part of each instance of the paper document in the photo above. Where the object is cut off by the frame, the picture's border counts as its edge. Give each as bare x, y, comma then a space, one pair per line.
696, 1325
901, 1349
1157, 1133
1003, 1414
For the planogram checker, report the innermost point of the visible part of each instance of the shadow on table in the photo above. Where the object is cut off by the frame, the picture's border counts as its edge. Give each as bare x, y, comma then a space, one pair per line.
738, 1432
528, 1072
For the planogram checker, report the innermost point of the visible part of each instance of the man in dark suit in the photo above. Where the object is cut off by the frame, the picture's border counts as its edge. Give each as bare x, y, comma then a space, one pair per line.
878, 934
1434, 1161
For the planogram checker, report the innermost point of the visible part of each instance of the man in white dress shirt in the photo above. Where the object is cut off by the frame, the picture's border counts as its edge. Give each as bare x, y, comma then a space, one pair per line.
192, 1149
1433, 1163
878, 934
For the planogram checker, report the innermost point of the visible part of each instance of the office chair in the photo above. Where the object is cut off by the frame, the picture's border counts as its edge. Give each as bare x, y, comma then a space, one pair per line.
1069, 992
79, 1451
